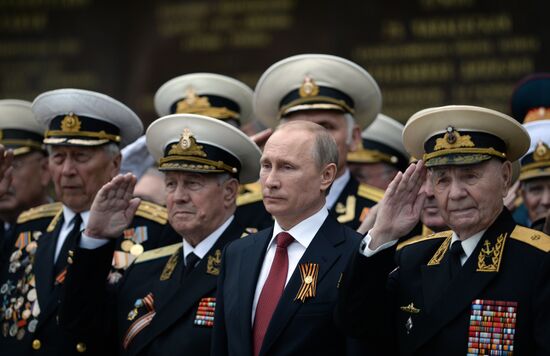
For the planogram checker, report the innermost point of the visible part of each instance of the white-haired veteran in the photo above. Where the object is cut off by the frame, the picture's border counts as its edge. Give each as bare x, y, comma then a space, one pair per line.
166, 301
85, 131
479, 288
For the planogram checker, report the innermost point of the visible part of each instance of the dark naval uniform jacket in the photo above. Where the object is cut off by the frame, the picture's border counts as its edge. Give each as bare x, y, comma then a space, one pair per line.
354, 202
157, 309
499, 300
30, 304
297, 327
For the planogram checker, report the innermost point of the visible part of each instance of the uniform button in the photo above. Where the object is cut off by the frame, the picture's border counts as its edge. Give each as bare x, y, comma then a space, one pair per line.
36, 344
81, 347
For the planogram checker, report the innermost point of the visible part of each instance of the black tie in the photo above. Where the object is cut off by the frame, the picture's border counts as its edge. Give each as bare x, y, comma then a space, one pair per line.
69, 244
190, 262
456, 253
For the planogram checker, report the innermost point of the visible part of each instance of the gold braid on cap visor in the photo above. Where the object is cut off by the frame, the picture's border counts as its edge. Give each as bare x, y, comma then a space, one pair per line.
206, 164
488, 151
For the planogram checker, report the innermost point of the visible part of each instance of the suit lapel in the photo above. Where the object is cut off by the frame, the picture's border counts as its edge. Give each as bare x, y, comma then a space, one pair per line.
461, 291
250, 265
174, 297
323, 251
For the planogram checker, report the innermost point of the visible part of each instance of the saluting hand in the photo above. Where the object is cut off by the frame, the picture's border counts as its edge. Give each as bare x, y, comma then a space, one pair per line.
399, 210
113, 208
6, 169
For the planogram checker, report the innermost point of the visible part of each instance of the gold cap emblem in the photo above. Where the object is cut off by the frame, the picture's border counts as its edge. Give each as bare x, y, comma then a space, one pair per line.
453, 139
309, 88
542, 153
187, 146
71, 123
192, 102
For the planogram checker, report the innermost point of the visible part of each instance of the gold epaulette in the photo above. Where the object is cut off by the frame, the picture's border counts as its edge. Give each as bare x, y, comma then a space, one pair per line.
420, 238
158, 253
532, 237
38, 212
251, 193
370, 192
152, 211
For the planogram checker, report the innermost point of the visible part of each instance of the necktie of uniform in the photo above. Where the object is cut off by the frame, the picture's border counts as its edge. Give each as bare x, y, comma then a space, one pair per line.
272, 290
190, 262
456, 253
69, 244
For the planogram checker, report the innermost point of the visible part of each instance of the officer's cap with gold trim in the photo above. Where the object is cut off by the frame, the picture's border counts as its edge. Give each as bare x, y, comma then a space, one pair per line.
461, 134
19, 130
196, 143
531, 98
208, 94
77, 117
316, 82
536, 163
382, 142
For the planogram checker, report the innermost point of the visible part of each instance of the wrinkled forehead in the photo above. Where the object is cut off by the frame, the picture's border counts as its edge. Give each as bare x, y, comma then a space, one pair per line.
95, 150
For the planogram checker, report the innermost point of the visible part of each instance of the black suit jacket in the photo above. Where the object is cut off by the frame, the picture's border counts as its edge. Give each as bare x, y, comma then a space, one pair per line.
439, 319
173, 331
296, 328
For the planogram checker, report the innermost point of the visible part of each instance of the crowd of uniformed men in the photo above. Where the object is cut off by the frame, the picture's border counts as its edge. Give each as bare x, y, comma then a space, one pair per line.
335, 231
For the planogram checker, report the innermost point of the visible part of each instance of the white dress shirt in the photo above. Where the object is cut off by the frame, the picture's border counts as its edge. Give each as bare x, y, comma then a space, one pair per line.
205, 245
303, 234
67, 226
336, 189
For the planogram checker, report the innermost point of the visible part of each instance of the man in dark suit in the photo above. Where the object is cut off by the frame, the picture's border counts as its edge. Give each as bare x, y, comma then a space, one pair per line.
336, 94
165, 303
277, 289
480, 288
85, 131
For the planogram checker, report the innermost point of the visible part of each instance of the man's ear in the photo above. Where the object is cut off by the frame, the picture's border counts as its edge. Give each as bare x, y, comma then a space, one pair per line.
506, 171
116, 165
355, 139
230, 191
328, 174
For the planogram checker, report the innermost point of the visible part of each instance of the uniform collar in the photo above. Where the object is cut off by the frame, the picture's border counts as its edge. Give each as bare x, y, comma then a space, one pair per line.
470, 243
205, 245
68, 216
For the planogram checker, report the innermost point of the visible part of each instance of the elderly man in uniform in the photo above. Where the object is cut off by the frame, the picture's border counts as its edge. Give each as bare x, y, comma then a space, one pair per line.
166, 302
29, 178
480, 288
535, 174
223, 98
278, 288
85, 131
381, 154
336, 94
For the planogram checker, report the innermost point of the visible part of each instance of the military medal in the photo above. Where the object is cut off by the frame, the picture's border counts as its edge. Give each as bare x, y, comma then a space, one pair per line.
138, 325
411, 309
308, 273
205, 312
136, 250
492, 327
32, 325
127, 245
409, 325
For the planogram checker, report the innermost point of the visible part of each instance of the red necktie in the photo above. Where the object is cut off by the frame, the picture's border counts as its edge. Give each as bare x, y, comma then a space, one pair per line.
272, 290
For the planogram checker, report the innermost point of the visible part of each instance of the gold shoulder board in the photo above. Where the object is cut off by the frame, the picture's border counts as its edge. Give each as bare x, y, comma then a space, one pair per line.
158, 253
420, 238
152, 211
370, 192
252, 193
38, 212
532, 237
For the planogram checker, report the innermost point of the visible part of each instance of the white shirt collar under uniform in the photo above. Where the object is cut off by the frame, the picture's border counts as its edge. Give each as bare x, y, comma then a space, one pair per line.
468, 245
337, 188
205, 245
